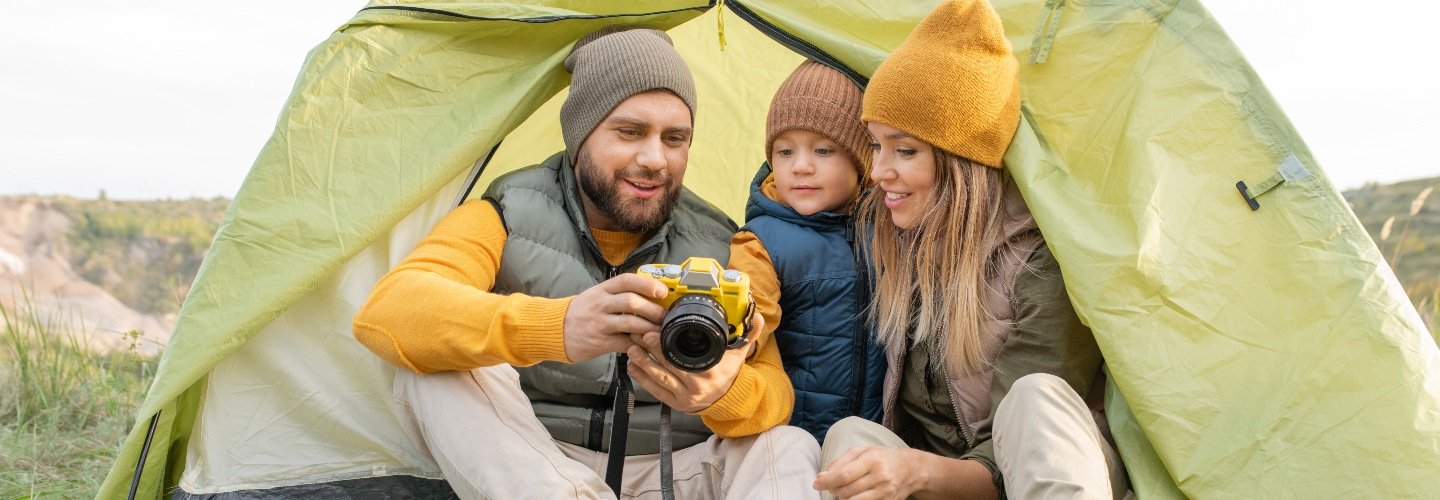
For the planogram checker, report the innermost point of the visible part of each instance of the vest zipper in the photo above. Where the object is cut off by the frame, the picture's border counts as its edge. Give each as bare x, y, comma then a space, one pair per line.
858, 367
954, 404
597, 414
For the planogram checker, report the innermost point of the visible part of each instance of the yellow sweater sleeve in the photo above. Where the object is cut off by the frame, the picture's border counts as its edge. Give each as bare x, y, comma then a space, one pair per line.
434, 311
761, 396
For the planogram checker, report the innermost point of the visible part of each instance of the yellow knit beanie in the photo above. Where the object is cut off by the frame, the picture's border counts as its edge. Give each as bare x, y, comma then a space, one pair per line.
952, 83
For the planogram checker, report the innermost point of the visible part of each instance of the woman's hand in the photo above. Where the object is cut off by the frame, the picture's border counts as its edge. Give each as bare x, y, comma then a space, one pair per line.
875, 472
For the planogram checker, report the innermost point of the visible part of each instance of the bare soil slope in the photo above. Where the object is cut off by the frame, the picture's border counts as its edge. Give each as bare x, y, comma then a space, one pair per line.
36, 275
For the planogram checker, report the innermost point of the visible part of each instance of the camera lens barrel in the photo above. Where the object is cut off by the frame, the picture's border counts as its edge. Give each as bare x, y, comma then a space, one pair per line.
694, 333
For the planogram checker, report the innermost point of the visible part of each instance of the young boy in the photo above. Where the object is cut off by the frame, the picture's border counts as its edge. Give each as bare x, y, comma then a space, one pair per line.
798, 248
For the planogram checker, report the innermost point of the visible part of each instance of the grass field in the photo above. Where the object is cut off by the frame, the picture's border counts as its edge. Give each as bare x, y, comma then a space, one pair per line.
64, 409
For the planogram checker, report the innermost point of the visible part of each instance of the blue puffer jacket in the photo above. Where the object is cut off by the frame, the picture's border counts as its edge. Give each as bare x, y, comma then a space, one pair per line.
828, 351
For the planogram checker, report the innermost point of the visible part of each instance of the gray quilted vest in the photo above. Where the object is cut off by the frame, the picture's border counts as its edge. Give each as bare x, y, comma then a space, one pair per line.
550, 252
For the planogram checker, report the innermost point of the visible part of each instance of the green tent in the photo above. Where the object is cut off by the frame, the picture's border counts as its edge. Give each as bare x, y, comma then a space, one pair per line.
1260, 352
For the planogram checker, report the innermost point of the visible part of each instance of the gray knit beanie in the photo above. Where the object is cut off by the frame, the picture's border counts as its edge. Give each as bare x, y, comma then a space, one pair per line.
612, 64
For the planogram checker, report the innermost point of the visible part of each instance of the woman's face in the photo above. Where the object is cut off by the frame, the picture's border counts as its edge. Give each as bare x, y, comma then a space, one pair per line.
904, 169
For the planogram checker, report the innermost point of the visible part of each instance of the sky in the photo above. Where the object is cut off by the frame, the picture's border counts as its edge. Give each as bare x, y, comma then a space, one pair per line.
172, 99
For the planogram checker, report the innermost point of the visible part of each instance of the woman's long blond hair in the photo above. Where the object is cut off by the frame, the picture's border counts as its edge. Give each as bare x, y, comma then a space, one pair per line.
933, 277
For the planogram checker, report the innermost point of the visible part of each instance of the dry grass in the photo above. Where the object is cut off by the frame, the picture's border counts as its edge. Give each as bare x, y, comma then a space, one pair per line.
64, 409
1404, 221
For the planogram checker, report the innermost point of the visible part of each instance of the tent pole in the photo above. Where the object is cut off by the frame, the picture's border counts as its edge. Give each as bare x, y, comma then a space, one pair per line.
475, 173
144, 451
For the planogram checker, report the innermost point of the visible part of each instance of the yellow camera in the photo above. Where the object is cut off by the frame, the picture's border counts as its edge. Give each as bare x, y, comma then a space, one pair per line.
708, 310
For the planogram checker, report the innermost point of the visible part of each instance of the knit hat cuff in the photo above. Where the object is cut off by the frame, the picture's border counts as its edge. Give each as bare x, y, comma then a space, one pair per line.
824, 118
952, 83
819, 99
609, 68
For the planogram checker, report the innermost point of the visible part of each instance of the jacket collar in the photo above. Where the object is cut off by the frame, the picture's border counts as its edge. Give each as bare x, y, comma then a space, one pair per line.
761, 204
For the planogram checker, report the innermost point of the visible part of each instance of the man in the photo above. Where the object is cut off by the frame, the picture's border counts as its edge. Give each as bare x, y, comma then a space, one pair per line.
540, 275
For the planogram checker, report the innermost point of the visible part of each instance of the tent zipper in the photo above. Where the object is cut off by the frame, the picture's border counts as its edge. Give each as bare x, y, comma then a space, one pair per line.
541, 19
793, 42
144, 453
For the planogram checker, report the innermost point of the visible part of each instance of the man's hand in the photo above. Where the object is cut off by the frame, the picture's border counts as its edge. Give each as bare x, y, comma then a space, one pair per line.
875, 472
686, 391
602, 318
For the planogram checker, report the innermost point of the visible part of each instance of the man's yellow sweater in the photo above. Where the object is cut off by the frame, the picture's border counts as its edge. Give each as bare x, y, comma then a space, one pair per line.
435, 312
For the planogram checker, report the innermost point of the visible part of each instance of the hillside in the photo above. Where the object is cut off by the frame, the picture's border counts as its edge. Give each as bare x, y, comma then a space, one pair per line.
106, 267
1404, 220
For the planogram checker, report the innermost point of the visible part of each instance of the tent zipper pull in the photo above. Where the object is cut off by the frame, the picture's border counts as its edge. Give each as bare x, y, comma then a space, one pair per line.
720, 22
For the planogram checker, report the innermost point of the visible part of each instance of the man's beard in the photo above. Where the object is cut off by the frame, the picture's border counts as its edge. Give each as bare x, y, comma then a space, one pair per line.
629, 215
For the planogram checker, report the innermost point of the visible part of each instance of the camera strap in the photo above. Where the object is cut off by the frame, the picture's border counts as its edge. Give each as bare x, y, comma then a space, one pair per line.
623, 404
667, 467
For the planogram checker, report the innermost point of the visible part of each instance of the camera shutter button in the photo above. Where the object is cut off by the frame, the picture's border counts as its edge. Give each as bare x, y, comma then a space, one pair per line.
731, 275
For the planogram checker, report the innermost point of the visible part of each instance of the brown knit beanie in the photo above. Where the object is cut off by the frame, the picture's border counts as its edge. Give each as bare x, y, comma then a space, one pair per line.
821, 100
612, 64
952, 83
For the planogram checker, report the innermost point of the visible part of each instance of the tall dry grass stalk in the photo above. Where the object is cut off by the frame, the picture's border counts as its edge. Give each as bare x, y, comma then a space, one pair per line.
1415, 206
1429, 302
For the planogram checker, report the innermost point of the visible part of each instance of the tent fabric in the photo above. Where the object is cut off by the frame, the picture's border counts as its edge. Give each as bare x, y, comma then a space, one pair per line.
1263, 353
1267, 352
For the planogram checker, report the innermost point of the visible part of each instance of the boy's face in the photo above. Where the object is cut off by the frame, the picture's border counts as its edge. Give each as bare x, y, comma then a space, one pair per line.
812, 173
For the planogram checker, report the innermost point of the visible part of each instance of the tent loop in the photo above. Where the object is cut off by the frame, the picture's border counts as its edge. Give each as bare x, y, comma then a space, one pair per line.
1045, 31
720, 22
1290, 170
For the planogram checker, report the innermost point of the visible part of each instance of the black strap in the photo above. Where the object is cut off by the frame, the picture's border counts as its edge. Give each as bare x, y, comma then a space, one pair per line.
624, 403
667, 468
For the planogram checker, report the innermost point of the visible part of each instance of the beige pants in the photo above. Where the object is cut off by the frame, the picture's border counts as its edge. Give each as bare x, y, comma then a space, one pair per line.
483, 433
1045, 439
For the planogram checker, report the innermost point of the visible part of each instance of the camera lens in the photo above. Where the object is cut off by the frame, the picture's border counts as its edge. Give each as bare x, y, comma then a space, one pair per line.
694, 333
692, 342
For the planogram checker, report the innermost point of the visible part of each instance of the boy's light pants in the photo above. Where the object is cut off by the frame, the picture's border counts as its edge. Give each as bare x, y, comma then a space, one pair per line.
483, 433
1045, 439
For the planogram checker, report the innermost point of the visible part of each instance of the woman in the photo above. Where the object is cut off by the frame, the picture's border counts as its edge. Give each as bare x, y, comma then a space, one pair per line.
987, 360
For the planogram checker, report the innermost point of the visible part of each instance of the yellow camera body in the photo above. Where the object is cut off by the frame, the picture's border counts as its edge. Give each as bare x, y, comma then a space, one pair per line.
708, 310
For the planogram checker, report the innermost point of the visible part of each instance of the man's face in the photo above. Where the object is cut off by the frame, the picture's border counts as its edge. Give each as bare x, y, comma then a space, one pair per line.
631, 166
